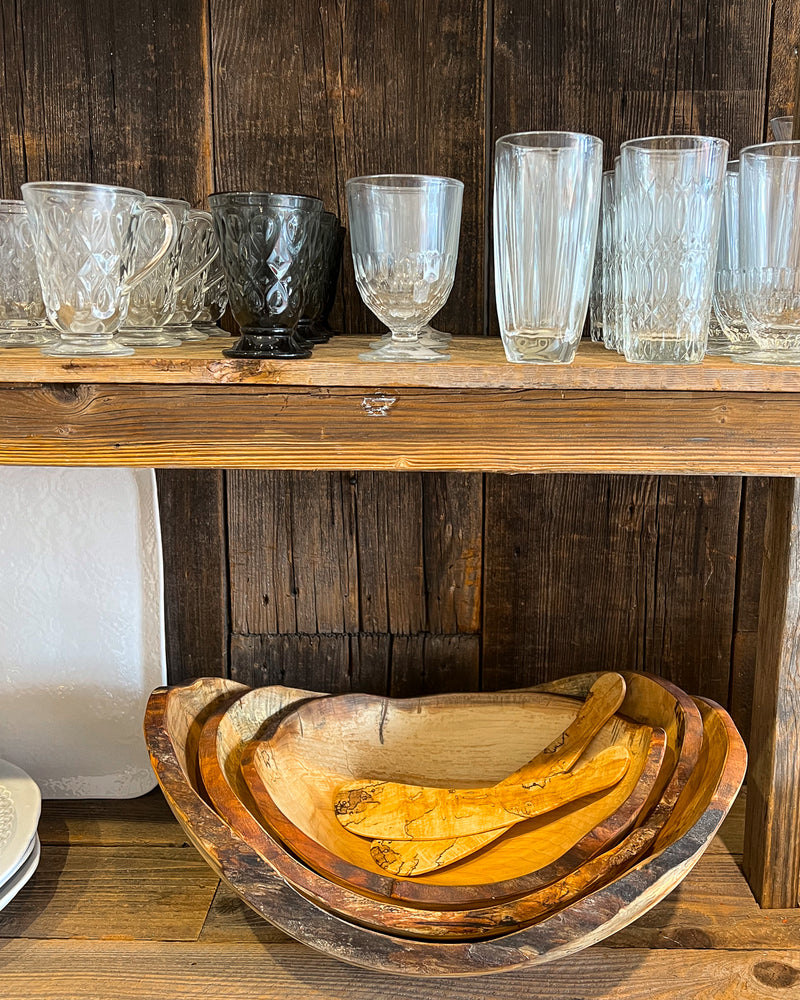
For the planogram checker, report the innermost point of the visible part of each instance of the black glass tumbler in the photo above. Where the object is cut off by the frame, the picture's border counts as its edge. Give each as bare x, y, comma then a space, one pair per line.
266, 244
333, 265
310, 328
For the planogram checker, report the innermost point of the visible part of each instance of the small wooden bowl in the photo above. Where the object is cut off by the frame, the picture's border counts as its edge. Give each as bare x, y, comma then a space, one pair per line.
172, 716
451, 740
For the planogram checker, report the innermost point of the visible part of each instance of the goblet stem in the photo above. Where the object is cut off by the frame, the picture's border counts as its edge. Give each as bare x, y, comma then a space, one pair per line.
405, 345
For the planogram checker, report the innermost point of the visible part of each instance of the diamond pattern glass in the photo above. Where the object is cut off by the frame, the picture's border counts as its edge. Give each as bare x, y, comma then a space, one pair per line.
22, 316
199, 249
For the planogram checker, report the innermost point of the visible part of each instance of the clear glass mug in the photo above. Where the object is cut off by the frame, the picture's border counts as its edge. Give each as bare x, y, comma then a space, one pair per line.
769, 248
215, 298
546, 211
670, 198
404, 232
22, 317
199, 249
86, 245
152, 301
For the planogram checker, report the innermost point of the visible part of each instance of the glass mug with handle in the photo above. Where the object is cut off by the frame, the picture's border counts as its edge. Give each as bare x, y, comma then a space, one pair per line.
22, 318
86, 243
199, 249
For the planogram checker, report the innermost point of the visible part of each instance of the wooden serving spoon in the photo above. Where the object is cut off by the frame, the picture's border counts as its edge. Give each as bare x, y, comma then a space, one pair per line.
363, 804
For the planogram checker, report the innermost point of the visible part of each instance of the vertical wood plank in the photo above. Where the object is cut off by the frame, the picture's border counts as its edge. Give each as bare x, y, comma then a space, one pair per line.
772, 847
434, 664
783, 63
607, 572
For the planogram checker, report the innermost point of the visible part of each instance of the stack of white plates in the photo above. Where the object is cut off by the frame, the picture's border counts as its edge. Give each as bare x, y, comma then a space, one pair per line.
20, 805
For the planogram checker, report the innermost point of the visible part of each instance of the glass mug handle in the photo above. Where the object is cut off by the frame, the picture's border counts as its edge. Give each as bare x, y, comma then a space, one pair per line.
171, 230
209, 257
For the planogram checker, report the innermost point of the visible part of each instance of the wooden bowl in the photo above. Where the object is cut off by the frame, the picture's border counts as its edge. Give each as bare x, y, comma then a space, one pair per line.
225, 734
324, 743
172, 714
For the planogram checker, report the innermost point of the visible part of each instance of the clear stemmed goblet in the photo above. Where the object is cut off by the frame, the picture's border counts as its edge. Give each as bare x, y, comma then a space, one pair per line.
404, 231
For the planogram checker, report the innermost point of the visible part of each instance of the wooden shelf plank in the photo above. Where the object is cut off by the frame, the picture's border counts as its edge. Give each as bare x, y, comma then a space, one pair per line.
146, 820
476, 363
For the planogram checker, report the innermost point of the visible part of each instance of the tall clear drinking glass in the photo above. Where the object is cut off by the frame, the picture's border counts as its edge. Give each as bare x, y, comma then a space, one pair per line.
22, 318
608, 237
727, 281
596, 293
86, 239
546, 209
670, 197
782, 127
769, 248
404, 233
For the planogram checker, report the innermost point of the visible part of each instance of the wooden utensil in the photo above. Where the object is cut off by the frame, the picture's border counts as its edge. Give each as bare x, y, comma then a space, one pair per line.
319, 745
602, 701
172, 713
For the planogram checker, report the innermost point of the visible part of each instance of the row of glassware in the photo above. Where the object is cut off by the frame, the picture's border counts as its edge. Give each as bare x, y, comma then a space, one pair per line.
91, 269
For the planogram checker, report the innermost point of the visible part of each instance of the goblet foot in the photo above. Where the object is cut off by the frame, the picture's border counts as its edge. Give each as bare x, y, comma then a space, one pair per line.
280, 344
309, 333
756, 357
33, 336
436, 339
147, 338
88, 347
405, 350
186, 332
212, 330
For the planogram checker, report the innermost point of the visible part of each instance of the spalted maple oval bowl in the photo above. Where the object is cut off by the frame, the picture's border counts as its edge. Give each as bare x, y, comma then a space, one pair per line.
172, 724
446, 741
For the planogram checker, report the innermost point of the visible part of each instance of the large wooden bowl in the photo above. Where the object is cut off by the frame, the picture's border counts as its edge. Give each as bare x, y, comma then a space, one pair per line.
448, 741
172, 716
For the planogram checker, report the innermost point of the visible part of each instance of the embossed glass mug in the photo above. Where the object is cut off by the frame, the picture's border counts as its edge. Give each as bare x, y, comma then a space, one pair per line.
152, 300
86, 243
22, 317
404, 232
199, 249
670, 196
266, 243
215, 298
308, 326
546, 211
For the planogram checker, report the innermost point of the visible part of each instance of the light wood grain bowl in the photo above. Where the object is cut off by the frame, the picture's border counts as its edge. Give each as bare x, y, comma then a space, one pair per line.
447, 741
174, 714
224, 736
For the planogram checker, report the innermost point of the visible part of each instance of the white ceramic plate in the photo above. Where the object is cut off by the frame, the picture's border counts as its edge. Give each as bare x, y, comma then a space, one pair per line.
81, 626
23, 875
20, 806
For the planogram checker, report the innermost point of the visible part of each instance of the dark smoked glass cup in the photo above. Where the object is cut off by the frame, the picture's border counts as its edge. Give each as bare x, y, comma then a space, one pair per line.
333, 267
311, 327
267, 242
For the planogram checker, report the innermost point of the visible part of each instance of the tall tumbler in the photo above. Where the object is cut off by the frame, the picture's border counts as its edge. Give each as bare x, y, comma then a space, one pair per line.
596, 292
404, 231
152, 301
546, 208
309, 327
199, 249
86, 248
22, 318
266, 242
333, 267
670, 195
610, 263
782, 127
769, 247
727, 279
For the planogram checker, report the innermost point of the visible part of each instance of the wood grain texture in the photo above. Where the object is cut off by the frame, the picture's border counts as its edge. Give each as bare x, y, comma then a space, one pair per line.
783, 65
192, 514
144, 821
117, 893
612, 572
772, 849
528, 430
376, 88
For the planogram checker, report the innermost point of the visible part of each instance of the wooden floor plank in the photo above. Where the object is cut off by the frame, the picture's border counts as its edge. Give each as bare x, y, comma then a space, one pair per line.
146, 820
79, 970
113, 893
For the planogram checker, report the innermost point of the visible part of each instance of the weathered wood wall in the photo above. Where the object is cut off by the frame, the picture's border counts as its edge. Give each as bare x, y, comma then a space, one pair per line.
410, 582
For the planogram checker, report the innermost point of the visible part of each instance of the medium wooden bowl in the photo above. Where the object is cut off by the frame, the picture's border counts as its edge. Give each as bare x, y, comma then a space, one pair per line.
450, 740
226, 733
172, 716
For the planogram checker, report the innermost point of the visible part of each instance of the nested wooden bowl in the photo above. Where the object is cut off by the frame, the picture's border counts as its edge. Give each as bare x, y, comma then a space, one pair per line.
467, 740
173, 720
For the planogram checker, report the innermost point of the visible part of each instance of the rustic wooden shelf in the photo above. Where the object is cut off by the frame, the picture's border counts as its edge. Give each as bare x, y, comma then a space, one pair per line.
191, 407
122, 909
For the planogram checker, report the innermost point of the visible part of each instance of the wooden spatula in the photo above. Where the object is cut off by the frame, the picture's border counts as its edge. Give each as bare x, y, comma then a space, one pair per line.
365, 807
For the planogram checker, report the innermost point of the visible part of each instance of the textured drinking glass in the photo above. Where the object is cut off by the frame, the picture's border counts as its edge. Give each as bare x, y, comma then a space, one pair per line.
199, 248
546, 209
308, 327
769, 247
670, 197
152, 300
608, 232
22, 318
215, 299
596, 291
266, 241
727, 281
333, 267
404, 232
782, 128
86, 245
